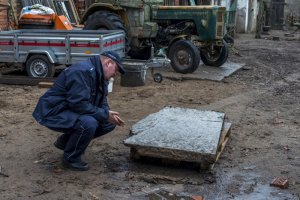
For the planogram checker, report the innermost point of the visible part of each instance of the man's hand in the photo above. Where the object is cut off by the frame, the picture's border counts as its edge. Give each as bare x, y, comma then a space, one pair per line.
114, 117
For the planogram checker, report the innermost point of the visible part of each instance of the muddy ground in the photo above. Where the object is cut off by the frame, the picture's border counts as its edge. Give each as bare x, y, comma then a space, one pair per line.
262, 101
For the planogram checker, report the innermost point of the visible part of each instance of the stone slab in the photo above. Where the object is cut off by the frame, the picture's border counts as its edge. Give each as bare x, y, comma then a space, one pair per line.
203, 72
178, 133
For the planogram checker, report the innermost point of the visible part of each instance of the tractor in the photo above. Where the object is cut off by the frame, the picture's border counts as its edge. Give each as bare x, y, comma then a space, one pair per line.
184, 31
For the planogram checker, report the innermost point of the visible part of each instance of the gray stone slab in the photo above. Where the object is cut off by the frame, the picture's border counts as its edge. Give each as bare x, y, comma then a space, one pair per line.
178, 133
203, 72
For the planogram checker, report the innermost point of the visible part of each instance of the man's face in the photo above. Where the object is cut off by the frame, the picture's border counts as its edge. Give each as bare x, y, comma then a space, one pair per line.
110, 68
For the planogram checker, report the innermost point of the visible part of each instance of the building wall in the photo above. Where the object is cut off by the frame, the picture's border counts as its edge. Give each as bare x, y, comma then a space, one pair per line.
80, 5
3, 15
245, 17
247, 11
291, 7
252, 12
242, 16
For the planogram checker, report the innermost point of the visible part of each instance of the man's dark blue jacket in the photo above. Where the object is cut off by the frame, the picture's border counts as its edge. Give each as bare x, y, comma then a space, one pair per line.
78, 90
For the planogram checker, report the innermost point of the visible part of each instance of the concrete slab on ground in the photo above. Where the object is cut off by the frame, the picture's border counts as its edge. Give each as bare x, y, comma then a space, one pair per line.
203, 72
178, 133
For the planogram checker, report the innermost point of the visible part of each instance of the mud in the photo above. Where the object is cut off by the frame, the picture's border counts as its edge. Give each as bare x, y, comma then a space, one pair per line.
262, 101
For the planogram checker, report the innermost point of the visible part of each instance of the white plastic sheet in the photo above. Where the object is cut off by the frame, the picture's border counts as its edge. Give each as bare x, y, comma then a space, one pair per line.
36, 9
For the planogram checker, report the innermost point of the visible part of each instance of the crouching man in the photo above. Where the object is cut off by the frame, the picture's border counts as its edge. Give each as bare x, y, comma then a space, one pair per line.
76, 105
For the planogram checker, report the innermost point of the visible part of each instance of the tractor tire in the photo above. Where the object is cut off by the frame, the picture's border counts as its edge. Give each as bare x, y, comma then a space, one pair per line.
39, 66
217, 59
184, 56
105, 20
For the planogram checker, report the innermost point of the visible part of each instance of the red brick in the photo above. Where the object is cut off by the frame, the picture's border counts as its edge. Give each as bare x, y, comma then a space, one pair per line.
280, 182
197, 197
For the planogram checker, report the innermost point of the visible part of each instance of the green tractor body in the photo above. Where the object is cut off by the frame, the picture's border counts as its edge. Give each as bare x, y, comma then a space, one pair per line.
188, 32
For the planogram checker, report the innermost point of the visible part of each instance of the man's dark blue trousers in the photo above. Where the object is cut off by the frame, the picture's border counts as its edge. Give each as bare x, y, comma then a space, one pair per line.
75, 140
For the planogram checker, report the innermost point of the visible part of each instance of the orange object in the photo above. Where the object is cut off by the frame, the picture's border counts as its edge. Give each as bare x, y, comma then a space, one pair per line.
37, 19
62, 23
52, 21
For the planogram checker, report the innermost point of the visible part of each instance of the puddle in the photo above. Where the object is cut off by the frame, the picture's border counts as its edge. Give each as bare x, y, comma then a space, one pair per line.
248, 186
265, 192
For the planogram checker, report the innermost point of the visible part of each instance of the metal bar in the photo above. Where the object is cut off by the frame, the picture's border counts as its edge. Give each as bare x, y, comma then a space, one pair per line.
16, 48
68, 50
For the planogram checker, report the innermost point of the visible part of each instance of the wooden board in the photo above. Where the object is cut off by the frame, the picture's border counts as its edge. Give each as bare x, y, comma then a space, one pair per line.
22, 80
45, 84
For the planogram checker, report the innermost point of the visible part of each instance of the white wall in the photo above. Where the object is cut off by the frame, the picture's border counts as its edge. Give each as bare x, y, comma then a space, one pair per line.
242, 16
225, 3
246, 16
253, 11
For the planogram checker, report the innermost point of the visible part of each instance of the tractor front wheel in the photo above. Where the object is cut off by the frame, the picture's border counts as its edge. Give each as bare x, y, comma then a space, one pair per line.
184, 56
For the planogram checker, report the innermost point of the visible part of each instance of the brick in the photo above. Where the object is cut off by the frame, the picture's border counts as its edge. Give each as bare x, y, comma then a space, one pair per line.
280, 182
197, 197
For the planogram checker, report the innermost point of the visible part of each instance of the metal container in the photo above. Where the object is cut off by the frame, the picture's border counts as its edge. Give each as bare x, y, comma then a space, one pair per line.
135, 73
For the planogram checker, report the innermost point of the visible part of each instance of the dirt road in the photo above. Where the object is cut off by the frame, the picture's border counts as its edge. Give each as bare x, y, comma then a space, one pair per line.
262, 101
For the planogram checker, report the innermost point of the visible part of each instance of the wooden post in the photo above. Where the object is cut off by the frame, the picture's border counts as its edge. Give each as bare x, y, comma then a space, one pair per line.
14, 14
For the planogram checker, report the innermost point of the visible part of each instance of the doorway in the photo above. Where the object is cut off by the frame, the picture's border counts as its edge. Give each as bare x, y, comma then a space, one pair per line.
277, 14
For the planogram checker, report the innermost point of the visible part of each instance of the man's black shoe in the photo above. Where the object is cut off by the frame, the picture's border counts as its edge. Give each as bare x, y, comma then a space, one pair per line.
77, 166
58, 144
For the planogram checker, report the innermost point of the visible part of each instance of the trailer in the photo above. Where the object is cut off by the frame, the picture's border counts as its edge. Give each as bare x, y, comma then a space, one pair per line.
41, 51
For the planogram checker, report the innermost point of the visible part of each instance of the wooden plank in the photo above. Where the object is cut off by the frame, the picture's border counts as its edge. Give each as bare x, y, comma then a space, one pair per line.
226, 130
22, 80
45, 84
223, 140
74, 11
12, 7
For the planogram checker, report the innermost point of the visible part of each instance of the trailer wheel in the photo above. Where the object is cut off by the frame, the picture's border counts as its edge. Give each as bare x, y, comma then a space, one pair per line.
157, 77
105, 20
184, 56
39, 66
215, 57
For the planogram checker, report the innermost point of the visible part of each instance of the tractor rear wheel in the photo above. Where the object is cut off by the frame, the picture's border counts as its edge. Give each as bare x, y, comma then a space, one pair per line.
215, 57
105, 20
